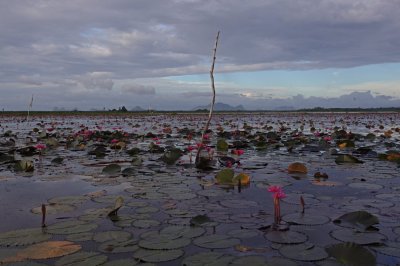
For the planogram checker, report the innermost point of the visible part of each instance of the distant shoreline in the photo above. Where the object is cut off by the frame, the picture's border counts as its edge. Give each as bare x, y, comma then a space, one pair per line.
201, 112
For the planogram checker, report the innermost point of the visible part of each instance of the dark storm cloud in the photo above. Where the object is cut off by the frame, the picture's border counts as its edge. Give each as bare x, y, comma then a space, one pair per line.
68, 41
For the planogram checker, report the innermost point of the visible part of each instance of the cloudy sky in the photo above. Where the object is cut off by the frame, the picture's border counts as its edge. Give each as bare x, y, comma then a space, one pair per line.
104, 54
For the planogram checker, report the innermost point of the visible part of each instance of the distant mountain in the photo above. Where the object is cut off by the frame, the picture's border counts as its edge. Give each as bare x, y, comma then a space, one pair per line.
221, 107
137, 109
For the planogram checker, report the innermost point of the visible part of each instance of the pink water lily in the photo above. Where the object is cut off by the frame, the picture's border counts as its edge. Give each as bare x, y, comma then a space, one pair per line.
40, 146
277, 195
237, 152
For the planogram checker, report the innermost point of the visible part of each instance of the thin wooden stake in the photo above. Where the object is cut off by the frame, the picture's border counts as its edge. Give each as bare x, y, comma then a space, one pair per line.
43, 215
212, 101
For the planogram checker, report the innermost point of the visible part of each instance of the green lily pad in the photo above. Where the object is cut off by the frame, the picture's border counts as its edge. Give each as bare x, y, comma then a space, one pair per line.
243, 233
364, 185
222, 145
23, 237
70, 227
53, 208
171, 156
351, 254
250, 260
126, 262
216, 241
239, 204
225, 176
305, 219
57, 160
116, 246
183, 231
80, 237
24, 166
361, 238
158, 255
303, 252
202, 220
111, 235
390, 249
361, 220
145, 223
112, 169
286, 237
82, 258
119, 202
347, 158
148, 209
164, 242
208, 258
72, 200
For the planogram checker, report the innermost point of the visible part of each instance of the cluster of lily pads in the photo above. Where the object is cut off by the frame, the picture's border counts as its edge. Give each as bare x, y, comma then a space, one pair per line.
142, 200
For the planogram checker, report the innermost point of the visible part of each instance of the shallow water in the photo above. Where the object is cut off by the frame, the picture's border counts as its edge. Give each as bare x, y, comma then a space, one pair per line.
157, 195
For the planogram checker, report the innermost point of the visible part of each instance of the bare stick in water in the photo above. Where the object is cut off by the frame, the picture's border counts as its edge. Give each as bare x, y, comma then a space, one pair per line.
212, 101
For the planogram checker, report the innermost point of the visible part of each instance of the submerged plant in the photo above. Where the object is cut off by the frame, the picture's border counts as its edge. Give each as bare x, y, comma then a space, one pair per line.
277, 195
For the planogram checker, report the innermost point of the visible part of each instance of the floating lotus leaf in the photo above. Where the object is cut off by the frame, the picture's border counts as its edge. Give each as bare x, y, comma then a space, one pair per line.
183, 231
148, 209
80, 237
351, 254
303, 252
57, 160
82, 258
239, 204
305, 219
361, 220
112, 169
347, 158
123, 220
216, 241
44, 250
23, 237
158, 255
171, 156
225, 176
164, 242
111, 235
345, 144
208, 258
222, 145
24, 166
202, 220
244, 179
286, 237
125, 262
250, 260
145, 223
93, 214
389, 249
374, 203
72, 200
361, 238
53, 208
119, 202
70, 227
116, 246
279, 261
297, 168
212, 193
243, 233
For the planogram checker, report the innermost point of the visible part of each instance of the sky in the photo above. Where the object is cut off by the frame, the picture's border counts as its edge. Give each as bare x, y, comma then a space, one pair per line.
272, 54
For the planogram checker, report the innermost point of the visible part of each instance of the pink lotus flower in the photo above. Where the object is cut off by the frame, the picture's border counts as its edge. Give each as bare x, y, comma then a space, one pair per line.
275, 189
237, 152
40, 146
278, 194
206, 136
328, 138
113, 141
190, 148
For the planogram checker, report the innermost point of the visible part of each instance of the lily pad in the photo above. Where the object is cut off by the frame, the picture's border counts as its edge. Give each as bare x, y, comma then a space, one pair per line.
303, 252
23, 237
158, 255
225, 176
82, 258
361, 238
351, 254
70, 227
208, 258
24, 166
216, 241
361, 220
202, 220
111, 235
112, 169
53, 208
297, 168
222, 145
117, 246
250, 260
44, 250
72, 200
347, 158
305, 219
183, 231
164, 242
286, 237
